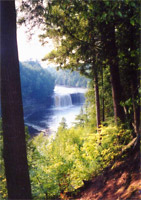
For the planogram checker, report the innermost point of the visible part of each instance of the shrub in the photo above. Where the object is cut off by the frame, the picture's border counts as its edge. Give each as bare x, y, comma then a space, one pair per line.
61, 165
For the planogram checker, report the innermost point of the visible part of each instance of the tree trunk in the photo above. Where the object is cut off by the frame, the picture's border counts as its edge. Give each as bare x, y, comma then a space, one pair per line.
134, 78
116, 92
97, 96
109, 43
103, 106
15, 157
136, 107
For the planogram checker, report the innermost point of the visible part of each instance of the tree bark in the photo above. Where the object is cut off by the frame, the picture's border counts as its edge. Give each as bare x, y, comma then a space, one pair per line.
134, 78
97, 96
103, 104
109, 43
15, 157
136, 107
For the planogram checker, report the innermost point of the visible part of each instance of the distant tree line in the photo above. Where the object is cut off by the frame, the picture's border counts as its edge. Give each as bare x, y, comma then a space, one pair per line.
37, 84
68, 78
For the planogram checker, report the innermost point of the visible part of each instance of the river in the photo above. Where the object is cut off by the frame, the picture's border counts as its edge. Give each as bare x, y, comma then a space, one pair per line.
67, 103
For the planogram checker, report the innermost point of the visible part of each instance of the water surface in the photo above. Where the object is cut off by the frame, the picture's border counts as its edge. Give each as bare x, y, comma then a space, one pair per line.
67, 104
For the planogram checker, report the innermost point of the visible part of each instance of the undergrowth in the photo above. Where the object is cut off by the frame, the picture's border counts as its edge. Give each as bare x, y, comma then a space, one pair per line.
61, 165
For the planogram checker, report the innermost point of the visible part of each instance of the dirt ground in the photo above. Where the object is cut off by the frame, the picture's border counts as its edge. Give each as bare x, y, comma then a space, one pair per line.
119, 182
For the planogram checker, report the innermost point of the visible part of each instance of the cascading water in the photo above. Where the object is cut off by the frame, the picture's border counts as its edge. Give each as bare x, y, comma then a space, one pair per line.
77, 98
62, 100
67, 104
66, 97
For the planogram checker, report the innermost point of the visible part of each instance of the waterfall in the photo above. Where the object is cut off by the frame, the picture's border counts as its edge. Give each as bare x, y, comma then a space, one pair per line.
77, 98
62, 100
66, 97
66, 100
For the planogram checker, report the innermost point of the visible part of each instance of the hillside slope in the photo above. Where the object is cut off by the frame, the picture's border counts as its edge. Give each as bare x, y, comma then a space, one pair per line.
121, 181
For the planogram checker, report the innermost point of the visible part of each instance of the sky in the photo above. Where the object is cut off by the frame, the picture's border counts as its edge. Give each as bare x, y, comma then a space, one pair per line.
32, 49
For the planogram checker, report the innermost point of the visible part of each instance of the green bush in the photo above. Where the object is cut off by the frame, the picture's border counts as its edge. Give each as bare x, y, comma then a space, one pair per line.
61, 164
3, 189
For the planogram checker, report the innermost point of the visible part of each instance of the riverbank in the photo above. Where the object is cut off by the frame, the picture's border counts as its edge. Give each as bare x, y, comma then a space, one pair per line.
34, 132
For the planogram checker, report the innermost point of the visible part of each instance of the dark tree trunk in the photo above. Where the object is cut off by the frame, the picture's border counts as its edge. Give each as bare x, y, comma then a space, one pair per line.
109, 43
136, 107
97, 96
15, 157
103, 106
116, 92
134, 78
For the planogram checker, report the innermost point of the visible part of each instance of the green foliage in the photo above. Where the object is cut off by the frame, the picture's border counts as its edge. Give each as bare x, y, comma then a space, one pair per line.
105, 92
61, 164
63, 124
81, 119
3, 189
85, 39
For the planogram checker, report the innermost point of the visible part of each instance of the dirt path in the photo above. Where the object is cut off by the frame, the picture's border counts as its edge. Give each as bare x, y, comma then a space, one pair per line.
122, 181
